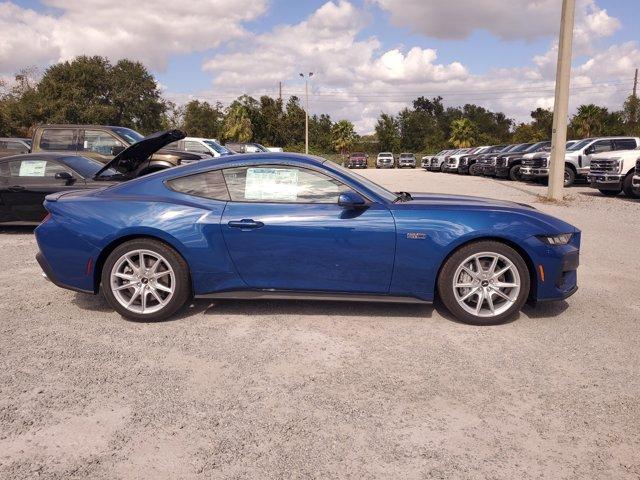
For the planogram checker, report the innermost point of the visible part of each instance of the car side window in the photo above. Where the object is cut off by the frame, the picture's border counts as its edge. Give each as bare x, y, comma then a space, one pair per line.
101, 142
209, 184
625, 144
35, 168
58, 139
191, 146
283, 184
601, 146
15, 146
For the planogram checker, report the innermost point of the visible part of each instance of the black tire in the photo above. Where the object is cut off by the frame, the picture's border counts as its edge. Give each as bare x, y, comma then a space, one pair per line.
474, 170
610, 193
446, 290
627, 186
514, 173
442, 167
180, 268
569, 176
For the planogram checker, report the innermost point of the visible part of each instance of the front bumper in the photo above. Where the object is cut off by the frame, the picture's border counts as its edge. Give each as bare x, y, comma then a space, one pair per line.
502, 172
451, 168
489, 170
407, 164
531, 172
463, 169
606, 181
384, 164
435, 167
357, 164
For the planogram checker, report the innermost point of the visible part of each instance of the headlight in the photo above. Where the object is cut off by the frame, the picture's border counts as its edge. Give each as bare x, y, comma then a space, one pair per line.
561, 239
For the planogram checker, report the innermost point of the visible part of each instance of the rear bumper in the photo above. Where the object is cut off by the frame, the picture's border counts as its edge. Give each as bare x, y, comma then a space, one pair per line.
49, 275
606, 181
531, 172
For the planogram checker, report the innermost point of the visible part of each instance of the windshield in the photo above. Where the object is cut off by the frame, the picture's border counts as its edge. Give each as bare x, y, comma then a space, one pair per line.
216, 147
131, 136
374, 187
260, 147
580, 145
536, 146
87, 167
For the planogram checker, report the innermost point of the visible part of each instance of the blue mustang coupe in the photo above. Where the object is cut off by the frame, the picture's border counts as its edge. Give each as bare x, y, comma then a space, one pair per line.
277, 225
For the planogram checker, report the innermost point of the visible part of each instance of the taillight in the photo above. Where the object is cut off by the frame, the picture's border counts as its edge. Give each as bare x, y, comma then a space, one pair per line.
46, 218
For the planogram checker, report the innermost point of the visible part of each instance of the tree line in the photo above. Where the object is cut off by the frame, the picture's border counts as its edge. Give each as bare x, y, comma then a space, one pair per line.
92, 90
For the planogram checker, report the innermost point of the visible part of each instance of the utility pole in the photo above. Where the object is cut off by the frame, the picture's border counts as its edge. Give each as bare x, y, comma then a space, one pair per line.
306, 110
561, 103
635, 83
280, 91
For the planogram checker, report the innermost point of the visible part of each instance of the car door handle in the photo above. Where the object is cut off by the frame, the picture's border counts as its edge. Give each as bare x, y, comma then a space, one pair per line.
245, 224
16, 188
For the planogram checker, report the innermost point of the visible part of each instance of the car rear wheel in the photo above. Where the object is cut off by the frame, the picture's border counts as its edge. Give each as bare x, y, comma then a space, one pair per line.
484, 283
145, 279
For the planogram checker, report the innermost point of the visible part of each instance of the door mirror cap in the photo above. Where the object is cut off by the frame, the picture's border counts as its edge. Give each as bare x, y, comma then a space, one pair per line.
117, 150
63, 176
351, 200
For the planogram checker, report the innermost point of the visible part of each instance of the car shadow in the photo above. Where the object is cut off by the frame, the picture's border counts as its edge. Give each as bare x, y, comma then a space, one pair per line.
313, 307
17, 229
545, 309
619, 197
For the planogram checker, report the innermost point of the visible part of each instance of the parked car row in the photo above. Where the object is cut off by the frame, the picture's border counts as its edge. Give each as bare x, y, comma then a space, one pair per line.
383, 160
609, 164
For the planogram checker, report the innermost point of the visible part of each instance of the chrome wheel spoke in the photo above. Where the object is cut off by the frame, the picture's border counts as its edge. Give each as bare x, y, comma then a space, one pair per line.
135, 285
486, 284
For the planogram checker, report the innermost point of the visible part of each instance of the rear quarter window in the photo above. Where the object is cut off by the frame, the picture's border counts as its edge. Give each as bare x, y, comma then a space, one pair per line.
58, 139
207, 184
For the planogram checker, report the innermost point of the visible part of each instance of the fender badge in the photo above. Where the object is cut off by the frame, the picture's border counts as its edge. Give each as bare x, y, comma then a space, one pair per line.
416, 236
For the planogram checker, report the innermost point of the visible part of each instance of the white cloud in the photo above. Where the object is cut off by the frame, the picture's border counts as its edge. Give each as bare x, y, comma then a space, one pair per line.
508, 20
147, 30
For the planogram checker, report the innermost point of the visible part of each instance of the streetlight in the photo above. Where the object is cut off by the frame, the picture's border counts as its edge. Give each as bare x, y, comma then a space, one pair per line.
306, 110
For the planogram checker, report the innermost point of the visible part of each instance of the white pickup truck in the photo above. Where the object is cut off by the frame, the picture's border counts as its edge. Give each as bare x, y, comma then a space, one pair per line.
612, 172
578, 157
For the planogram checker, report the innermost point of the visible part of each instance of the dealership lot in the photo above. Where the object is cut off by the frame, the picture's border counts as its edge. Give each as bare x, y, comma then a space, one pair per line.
332, 390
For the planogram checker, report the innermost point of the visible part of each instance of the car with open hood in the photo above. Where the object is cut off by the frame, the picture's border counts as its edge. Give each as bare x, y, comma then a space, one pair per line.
25, 180
103, 143
294, 226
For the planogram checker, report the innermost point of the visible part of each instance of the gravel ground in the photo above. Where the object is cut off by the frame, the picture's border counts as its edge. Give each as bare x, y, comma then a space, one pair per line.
330, 390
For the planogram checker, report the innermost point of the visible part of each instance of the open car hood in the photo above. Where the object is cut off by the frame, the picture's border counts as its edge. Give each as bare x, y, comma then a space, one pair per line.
128, 161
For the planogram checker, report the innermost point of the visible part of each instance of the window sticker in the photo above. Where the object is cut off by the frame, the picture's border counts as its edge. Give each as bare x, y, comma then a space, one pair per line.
271, 184
32, 168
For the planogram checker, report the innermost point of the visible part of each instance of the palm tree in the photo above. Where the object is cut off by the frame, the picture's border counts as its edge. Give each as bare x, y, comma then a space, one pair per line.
343, 135
589, 120
463, 133
237, 125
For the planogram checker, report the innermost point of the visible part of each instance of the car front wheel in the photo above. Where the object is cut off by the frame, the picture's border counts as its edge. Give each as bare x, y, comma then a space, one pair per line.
145, 279
484, 283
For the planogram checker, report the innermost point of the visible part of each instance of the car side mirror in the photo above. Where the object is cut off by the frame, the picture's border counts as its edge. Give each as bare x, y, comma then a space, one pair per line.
351, 200
589, 151
117, 150
66, 176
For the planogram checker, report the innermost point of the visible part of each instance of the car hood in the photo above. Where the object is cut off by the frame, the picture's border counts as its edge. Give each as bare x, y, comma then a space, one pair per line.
426, 201
130, 158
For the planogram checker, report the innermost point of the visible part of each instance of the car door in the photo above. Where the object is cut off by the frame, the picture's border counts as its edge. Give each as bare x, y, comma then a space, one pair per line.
596, 147
285, 230
29, 181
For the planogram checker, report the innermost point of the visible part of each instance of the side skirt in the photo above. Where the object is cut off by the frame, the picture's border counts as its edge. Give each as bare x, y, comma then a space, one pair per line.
294, 295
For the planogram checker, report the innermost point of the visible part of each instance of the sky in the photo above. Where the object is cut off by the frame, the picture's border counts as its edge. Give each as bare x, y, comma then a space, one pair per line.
367, 56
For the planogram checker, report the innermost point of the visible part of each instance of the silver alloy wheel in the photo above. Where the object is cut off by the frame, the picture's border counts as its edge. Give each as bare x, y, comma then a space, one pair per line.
142, 281
486, 284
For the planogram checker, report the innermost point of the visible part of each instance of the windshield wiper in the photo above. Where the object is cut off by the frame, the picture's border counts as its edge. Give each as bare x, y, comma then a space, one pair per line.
403, 197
